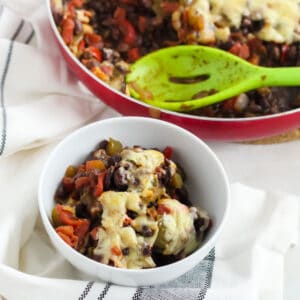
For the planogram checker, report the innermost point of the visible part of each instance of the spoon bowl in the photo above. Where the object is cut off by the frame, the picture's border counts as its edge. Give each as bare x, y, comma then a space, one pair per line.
183, 78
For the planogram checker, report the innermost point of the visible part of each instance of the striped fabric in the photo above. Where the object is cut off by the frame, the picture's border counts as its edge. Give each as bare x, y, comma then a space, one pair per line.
34, 80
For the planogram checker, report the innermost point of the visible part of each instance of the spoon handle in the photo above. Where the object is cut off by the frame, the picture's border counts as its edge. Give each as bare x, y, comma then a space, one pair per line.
288, 76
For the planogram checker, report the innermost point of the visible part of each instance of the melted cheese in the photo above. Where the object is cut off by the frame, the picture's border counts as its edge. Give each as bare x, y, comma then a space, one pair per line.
172, 233
177, 234
281, 18
141, 167
112, 236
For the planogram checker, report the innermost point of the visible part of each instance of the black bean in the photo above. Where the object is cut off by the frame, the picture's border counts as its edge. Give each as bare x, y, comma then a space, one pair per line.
111, 263
198, 223
78, 27
162, 260
108, 179
120, 180
113, 160
292, 55
146, 250
257, 25
57, 16
125, 251
182, 196
103, 144
101, 154
146, 231
81, 210
61, 192
92, 63
131, 214
147, 3
115, 34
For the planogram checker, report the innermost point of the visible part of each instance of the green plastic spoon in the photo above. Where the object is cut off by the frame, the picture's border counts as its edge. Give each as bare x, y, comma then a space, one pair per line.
184, 78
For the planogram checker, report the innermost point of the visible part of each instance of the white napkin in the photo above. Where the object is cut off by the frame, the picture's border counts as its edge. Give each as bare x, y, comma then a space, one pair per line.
40, 102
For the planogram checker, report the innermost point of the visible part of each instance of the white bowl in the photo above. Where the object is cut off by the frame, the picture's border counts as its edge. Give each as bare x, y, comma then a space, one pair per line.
207, 184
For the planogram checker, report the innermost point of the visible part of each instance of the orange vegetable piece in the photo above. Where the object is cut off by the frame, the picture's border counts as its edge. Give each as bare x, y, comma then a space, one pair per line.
81, 181
92, 39
241, 50
67, 234
116, 250
65, 215
81, 46
77, 3
152, 212
100, 74
127, 221
68, 26
99, 187
94, 164
68, 184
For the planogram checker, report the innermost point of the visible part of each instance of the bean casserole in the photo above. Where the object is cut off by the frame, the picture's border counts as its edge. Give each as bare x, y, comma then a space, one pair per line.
128, 208
107, 36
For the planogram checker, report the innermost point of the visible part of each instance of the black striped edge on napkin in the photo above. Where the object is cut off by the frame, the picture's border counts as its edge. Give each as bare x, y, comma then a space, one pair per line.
192, 286
19, 34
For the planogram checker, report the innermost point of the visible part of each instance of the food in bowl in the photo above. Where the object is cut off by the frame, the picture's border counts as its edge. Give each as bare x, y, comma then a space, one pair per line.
107, 36
206, 182
128, 207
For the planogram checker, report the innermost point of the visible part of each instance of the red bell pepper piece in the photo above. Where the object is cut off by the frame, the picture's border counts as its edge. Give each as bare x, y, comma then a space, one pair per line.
163, 209
128, 31
142, 24
120, 13
133, 54
71, 10
81, 230
68, 26
284, 51
67, 234
81, 45
169, 7
96, 53
77, 3
92, 39
81, 181
99, 187
241, 50
229, 104
68, 184
66, 216
168, 152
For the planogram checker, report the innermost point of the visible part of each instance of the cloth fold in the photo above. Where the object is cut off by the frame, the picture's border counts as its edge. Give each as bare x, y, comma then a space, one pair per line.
40, 102
40, 99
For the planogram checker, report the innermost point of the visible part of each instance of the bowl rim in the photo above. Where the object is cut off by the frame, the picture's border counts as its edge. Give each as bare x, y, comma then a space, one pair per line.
177, 114
64, 247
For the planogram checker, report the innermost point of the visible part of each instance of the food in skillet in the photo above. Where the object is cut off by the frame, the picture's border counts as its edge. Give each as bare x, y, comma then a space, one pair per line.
128, 207
106, 36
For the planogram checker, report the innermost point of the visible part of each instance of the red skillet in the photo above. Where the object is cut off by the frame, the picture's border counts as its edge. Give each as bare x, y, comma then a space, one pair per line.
238, 129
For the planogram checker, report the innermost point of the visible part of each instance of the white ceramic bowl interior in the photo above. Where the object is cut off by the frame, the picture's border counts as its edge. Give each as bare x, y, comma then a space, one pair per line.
207, 184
